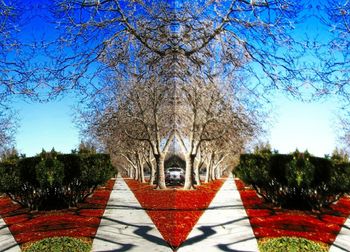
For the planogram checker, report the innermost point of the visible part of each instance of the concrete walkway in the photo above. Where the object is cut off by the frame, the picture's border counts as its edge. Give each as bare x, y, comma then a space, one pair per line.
125, 226
7, 242
342, 242
224, 226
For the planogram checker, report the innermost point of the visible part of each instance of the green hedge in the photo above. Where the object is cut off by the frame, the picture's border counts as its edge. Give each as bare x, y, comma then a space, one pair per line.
298, 180
54, 181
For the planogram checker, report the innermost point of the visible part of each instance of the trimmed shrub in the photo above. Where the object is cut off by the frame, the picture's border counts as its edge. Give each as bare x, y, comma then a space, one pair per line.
54, 181
59, 244
297, 181
291, 244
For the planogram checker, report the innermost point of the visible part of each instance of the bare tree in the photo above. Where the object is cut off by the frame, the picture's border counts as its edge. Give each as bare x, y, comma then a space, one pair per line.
343, 128
176, 50
333, 75
17, 71
207, 113
138, 125
147, 113
8, 126
179, 36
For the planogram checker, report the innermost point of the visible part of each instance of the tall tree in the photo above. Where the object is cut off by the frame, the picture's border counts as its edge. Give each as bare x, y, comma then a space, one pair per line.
178, 36
207, 112
17, 73
176, 50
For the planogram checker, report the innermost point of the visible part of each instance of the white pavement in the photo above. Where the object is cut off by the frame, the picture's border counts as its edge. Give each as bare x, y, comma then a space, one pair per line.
125, 226
7, 242
342, 242
224, 226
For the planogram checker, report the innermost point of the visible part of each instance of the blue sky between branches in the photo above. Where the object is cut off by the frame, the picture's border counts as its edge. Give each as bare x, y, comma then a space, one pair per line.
295, 124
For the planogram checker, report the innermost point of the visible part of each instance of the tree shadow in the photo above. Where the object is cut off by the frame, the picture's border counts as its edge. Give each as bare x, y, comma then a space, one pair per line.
341, 247
8, 248
123, 246
207, 231
141, 231
225, 247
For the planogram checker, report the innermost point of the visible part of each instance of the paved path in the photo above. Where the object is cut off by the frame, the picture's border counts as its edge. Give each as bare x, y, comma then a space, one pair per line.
125, 226
224, 226
342, 242
7, 242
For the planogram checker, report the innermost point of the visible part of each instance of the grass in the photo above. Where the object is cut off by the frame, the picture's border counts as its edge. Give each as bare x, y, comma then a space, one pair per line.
291, 244
59, 244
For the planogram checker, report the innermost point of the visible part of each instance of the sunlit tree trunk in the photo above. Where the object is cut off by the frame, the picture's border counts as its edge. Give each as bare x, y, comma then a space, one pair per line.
140, 164
152, 168
209, 173
196, 171
189, 178
160, 178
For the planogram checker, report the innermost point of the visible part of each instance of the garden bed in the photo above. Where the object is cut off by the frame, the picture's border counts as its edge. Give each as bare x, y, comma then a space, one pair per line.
82, 221
269, 221
174, 211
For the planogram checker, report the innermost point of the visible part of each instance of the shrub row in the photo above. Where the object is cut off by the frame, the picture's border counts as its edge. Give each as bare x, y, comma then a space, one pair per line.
53, 181
298, 180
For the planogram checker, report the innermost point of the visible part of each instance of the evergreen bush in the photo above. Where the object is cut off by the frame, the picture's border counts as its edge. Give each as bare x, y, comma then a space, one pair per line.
54, 181
297, 181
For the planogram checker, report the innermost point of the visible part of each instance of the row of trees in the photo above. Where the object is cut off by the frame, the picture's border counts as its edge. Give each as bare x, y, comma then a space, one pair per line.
159, 73
149, 119
177, 78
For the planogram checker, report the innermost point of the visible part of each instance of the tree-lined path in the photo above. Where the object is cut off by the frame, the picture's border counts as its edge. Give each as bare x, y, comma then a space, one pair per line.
224, 226
126, 226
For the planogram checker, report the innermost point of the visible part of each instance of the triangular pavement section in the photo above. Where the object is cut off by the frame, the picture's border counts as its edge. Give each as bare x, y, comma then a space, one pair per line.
7, 242
224, 226
175, 212
125, 226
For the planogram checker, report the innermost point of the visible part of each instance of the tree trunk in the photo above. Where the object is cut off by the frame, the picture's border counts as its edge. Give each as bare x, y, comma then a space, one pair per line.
128, 172
213, 176
189, 178
196, 170
131, 172
136, 172
152, 173
208, 175
218, 173
140, 167
160, 179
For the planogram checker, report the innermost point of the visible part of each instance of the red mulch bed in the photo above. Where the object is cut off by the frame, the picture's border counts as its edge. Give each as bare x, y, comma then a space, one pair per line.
82, 221
270, 221
174, 212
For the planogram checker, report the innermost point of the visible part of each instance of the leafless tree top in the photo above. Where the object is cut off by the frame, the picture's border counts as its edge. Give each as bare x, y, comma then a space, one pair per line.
17, 74
215, 37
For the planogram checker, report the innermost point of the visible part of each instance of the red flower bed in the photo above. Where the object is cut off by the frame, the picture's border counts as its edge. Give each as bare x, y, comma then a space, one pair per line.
83, 221
269, 221
174, 212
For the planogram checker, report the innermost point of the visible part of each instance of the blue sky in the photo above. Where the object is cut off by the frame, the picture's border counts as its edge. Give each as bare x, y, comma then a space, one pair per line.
295, 125
46, 125
306, 126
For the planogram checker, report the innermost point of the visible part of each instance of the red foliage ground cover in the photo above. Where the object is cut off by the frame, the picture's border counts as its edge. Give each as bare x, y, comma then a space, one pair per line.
270, 221
174, 212
83, 221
